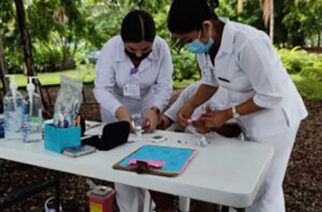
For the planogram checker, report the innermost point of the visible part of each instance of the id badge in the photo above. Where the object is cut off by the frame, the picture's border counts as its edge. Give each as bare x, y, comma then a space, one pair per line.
132, 88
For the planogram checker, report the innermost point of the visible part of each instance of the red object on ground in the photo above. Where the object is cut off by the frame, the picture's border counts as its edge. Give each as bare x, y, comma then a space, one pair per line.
101, 199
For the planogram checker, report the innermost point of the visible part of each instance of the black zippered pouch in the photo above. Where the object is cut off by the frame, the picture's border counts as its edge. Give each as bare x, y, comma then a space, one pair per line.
114, 134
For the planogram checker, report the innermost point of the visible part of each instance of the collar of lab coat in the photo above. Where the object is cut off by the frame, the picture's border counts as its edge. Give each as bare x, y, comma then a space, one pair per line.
122, 55
227, 38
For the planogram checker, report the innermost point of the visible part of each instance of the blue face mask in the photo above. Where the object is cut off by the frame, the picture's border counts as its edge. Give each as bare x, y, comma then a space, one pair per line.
197, 47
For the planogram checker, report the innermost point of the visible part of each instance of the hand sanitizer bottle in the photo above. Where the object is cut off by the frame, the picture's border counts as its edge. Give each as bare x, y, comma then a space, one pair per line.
32, 115
12, 109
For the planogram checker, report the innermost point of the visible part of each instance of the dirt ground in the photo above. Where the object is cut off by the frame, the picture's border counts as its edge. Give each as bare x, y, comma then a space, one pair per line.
302, 185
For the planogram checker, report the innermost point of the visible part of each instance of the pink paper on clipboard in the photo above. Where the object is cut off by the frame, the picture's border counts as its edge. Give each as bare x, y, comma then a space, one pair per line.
176, 159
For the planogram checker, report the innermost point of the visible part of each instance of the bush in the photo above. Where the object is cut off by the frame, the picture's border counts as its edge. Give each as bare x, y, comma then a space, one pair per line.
295, 60
301, 62
47, 60
185, 68
306, 71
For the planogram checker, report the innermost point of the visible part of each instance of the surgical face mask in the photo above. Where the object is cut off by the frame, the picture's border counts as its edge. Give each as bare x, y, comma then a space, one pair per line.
197, 47
134, 57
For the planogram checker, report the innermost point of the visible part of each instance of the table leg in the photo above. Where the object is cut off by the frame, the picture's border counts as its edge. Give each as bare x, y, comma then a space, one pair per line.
184, 204
57, 194
224, 209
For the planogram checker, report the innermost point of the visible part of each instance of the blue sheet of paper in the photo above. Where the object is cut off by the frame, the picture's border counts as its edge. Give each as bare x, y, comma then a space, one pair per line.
174, 158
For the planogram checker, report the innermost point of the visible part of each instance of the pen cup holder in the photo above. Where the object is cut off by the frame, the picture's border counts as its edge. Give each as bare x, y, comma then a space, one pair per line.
58, 139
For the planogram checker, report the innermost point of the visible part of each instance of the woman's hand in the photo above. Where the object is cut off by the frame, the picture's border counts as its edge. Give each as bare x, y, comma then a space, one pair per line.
150, 121
183, 116
200, 127
164, 122
122, 114
215, 118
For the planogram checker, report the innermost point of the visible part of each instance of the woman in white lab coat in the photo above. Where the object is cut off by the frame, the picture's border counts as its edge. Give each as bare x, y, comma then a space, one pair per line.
242, 59
134, 81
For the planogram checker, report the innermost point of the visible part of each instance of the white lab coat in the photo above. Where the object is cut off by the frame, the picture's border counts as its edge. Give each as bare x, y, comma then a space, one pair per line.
113, 71
155, 77
248, 67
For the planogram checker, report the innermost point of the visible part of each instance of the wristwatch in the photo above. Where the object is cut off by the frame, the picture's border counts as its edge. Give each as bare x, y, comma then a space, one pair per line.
234, 111
154, 108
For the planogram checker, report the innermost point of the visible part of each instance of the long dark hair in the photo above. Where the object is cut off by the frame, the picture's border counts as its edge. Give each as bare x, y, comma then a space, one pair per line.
137, 26
188, 15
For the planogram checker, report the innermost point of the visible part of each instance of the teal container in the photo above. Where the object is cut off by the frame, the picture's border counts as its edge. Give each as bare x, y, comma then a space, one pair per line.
58, 139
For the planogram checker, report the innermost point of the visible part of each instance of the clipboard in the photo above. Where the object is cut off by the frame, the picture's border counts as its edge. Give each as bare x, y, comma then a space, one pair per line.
176, 159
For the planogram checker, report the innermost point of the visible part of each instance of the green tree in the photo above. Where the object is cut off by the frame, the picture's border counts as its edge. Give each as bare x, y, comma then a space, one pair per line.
302, 20
62, 24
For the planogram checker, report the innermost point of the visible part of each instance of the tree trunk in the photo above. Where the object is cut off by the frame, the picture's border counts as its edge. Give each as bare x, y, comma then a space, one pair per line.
25, 38
271, 22
3, 69
27, 49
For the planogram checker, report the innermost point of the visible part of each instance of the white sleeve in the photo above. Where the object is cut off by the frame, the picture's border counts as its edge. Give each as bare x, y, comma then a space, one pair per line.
260, 63
185, 95
105, 81
163, 86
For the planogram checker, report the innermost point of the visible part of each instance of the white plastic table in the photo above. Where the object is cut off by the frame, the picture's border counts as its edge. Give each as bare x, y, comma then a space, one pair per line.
227, 171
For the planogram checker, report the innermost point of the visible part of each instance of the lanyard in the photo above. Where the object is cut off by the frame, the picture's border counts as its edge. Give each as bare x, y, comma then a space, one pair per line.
133, 71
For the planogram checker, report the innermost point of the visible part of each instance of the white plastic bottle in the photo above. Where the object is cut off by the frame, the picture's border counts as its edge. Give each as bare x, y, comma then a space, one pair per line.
12, 109
32, 115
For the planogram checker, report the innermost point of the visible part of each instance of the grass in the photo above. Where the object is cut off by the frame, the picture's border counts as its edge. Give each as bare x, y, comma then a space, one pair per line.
309, 88
83, 73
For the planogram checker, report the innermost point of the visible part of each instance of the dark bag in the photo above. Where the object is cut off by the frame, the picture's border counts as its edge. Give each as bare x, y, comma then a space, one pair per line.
114, 134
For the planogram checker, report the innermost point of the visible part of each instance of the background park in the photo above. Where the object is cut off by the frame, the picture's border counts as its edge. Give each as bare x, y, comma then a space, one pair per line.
49, 38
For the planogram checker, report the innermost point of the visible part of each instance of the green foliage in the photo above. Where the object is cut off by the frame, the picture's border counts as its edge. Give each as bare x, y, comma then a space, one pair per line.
299, 61
13, 59
302, 20
308, 88
47, 58
185, 68
251, 13
306, 71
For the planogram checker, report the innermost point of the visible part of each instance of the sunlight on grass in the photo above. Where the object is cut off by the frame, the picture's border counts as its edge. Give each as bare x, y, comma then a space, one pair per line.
309, 88
82, 73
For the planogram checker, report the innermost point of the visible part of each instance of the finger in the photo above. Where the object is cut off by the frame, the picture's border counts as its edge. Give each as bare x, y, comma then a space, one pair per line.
181, 117
197, 123
151, 128
146, 124
182, 122
184, 118
204, 115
